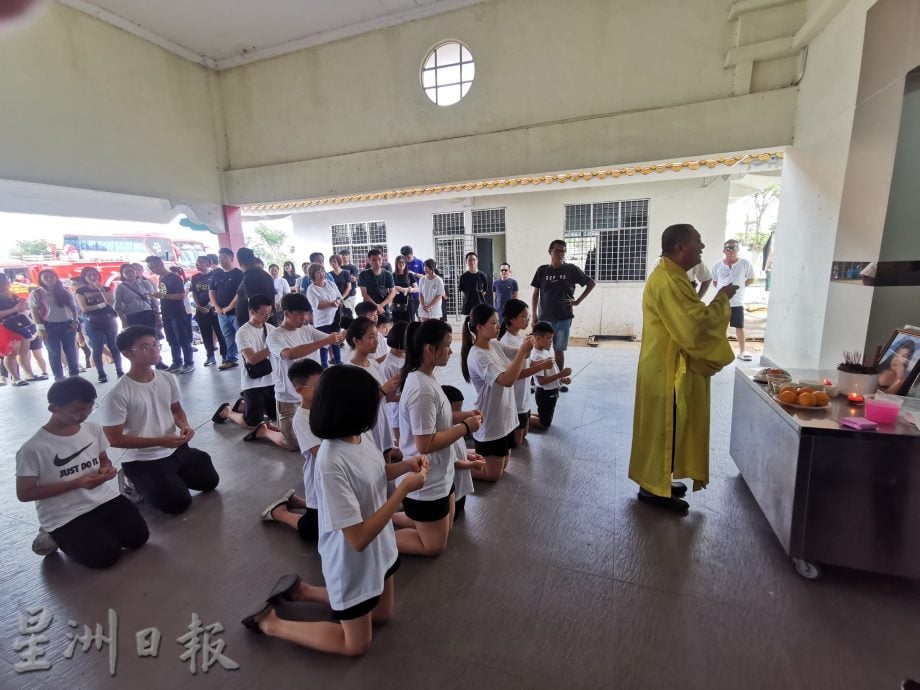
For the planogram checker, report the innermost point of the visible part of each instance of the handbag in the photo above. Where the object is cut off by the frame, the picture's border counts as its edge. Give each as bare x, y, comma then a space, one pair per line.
263, 368
20, 324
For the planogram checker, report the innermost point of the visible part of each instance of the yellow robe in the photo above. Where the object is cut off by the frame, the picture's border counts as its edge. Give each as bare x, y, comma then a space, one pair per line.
683, 345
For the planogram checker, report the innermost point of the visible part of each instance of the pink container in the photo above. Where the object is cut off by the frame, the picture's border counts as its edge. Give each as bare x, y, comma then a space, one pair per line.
882, 411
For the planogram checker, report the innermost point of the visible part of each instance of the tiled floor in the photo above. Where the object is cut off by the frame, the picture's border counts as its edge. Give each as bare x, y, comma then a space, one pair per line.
556, 577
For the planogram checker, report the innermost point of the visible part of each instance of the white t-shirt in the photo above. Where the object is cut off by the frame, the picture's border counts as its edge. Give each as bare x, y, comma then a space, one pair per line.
328, 293
497, 404
552, 371
511, 344
382, 347
429, 289
700, 273
254, 338
54, 459
282, 339
424, 409
281, 289
391, 366
144, 409
351, 486
463, 479
738, 273
306, 440
381, 431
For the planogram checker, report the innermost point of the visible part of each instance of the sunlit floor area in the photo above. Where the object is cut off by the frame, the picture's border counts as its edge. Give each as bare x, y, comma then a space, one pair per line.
555, 578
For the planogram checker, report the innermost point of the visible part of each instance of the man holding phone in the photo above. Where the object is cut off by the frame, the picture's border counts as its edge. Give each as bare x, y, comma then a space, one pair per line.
739, 272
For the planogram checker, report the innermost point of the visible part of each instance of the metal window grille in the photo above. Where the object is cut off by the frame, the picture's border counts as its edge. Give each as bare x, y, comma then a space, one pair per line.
449, 252
447, 224
608, 240
448, 73
488, 221
359, 238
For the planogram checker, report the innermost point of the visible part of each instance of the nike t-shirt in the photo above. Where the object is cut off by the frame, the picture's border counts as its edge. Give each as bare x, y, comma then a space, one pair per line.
54, 459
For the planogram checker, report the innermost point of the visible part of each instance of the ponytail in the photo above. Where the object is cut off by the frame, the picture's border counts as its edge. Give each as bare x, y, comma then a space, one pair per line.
479, 315
418, 335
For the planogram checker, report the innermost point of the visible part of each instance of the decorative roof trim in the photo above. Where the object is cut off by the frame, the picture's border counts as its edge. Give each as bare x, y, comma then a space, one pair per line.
562, 178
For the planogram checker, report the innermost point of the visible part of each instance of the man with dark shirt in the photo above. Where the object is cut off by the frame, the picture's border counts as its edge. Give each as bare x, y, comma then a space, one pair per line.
256, 281
473, 284
347, 265
554, 292
416, 266
376, 283
176, 324
200, 287
225, 281
503, 289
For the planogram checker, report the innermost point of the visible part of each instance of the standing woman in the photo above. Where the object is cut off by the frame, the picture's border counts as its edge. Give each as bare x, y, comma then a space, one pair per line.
96, 302
290, 274
429, 427
134, 299
14, 317
430, 293
405, 287
341, 278
326, 301
485, 365
54, 311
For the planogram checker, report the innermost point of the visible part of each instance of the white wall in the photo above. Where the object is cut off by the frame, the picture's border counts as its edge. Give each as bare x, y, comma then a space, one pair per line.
533, 220
558, 86
87, 105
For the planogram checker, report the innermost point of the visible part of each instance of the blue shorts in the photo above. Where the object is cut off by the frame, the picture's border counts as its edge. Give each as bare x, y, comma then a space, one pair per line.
561, 334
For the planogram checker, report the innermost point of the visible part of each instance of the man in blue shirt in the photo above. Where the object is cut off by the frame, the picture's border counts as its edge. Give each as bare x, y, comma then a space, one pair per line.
504, 289
416, 266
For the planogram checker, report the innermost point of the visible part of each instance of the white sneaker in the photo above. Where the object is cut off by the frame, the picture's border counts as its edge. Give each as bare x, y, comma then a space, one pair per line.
744, 357
44, 543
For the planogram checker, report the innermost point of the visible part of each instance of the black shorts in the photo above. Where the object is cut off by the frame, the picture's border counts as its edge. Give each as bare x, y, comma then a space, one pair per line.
497, 448
257, 403
35, 344
428, 511
737, 319
546, 404
366, 606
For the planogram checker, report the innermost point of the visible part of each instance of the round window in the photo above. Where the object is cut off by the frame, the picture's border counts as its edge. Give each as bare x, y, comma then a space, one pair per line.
447, 73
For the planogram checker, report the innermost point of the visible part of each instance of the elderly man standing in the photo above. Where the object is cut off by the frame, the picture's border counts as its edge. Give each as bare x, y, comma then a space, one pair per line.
683, 346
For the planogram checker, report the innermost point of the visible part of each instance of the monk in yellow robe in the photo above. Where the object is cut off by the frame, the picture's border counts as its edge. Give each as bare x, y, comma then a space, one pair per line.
683, 344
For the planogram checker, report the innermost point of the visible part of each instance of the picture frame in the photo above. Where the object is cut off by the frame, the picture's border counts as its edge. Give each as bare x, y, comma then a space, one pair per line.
899, 366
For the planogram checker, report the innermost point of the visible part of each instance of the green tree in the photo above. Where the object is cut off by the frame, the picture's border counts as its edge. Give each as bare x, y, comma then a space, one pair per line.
755, 236
23, 248
269, 245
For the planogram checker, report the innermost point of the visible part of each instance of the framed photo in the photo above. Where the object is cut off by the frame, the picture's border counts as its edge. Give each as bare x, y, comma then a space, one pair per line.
898, 368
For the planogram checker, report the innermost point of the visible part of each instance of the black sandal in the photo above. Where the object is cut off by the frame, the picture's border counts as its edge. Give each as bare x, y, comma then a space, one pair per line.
254, 434
252, 621
284, 588
216, 417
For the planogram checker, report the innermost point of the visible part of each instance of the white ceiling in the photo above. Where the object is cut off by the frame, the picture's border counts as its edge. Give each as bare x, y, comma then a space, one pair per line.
222, 34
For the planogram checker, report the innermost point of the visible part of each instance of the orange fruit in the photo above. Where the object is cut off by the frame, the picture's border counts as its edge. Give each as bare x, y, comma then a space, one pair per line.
787, 396
806, 399
821, 399
791, 389
805, 389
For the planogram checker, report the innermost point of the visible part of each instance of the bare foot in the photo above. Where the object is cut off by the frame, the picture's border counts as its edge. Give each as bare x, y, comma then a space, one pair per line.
268, 622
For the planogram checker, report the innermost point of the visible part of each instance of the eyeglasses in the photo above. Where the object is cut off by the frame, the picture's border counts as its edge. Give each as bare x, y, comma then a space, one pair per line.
731, 249
147, 348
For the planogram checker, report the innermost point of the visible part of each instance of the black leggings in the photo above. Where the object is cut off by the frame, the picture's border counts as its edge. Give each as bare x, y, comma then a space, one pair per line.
165, 483
308, 526
96, 538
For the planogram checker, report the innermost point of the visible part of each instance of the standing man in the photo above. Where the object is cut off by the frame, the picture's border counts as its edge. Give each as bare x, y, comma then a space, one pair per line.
683, 346
473, 284
200, 287
175, 322
503, 289
225, 281
376, 283
255, 282
416, 266
734, 271
347, 265
554, 293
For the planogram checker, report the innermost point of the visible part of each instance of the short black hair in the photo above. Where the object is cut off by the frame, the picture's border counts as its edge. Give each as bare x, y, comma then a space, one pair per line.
274, 266
295, 301
375, 251
561, 243
126, 339
344, 252
383, 318
226, 251
152, 259
314, 257
204, 257
453, 394
469, 254
213, 259
245, 256
345, 403
406, 250
256, 302
345, 321
673, 235
365, 308
543, 327
72, 389
396, 338
303, 369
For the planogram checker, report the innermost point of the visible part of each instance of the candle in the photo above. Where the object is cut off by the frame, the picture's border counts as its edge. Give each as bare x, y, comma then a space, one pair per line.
856, 398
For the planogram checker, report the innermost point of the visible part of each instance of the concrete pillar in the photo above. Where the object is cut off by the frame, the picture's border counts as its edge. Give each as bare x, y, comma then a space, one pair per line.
233, 222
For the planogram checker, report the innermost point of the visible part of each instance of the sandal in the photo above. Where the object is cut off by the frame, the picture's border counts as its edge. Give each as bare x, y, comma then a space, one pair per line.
21, 383
283, 589
252, 621
254, 434
238, 405
216, 417
267, 513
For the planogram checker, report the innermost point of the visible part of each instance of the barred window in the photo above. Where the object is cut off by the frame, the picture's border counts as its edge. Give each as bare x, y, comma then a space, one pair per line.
608, 240
489, 221
359, 239
447, 224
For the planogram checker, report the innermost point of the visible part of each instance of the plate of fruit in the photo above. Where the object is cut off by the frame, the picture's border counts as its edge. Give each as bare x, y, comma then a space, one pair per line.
761, 376
803, 398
